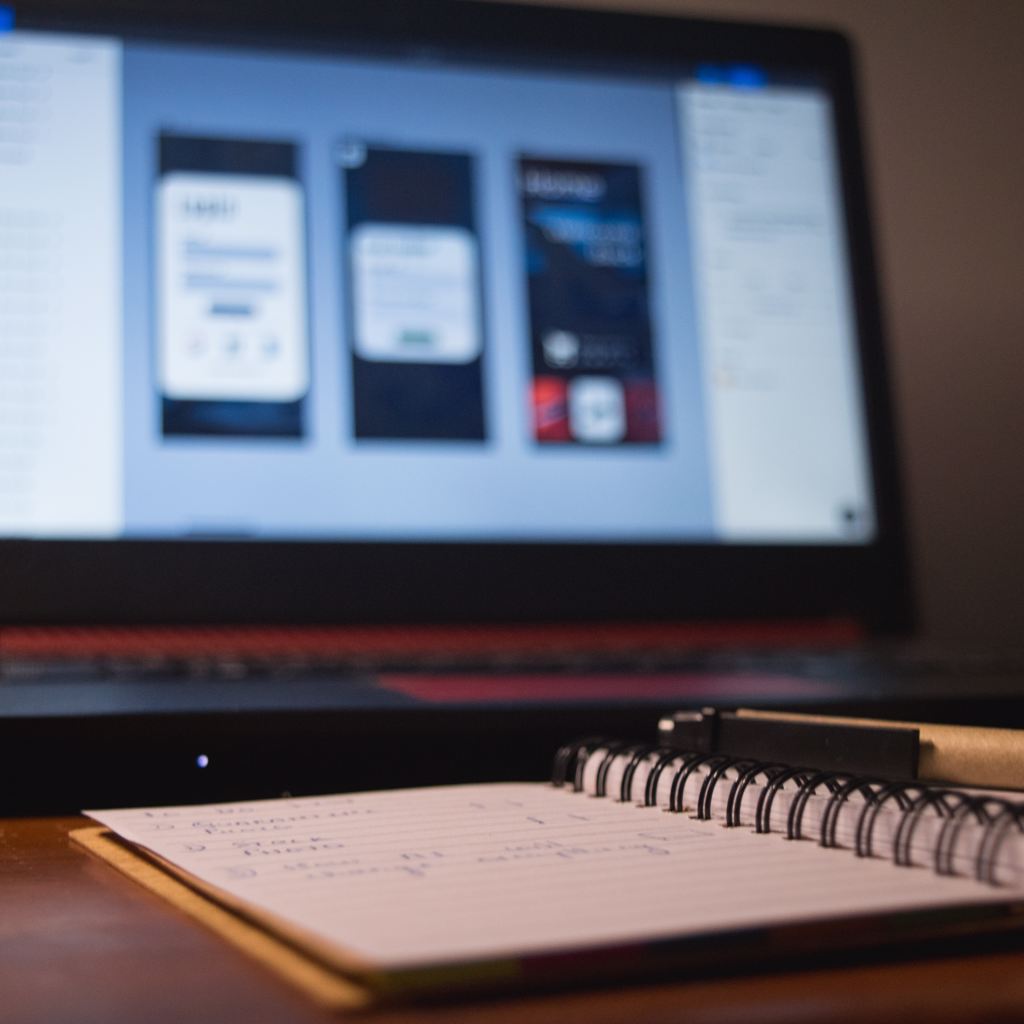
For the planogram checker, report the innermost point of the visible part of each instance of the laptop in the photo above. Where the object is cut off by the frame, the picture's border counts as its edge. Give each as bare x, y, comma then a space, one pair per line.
390, 389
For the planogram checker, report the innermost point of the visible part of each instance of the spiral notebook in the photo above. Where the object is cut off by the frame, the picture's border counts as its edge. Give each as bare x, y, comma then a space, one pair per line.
638, 860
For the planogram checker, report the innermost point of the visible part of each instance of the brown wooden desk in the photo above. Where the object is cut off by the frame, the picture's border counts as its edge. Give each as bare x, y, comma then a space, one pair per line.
79, 943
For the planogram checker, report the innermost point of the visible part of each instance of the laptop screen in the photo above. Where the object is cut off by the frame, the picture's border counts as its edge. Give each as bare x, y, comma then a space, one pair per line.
255, 293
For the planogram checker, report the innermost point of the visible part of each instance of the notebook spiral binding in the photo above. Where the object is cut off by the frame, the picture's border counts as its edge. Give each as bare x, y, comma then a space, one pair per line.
998, 817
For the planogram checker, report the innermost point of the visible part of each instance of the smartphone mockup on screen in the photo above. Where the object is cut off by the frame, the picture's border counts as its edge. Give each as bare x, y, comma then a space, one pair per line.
232, 321
594, 379
416, 323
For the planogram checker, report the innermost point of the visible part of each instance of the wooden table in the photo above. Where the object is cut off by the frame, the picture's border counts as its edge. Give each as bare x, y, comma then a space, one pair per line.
79, 943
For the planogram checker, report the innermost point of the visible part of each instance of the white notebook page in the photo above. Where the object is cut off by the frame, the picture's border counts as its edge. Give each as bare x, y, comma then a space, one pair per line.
409, 878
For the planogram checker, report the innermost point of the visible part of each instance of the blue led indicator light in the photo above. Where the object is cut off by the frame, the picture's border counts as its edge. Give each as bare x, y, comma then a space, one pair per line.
746, 76
6, 19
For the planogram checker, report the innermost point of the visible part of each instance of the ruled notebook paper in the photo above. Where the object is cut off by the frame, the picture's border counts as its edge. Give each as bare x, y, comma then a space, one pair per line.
411, 878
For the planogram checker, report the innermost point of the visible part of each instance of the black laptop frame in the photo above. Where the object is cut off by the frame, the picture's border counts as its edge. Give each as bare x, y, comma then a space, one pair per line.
209, 581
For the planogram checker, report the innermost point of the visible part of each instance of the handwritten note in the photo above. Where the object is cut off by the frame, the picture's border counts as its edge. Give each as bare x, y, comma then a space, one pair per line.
410, 878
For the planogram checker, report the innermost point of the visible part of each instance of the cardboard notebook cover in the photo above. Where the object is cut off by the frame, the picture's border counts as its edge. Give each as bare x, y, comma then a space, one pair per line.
323, 984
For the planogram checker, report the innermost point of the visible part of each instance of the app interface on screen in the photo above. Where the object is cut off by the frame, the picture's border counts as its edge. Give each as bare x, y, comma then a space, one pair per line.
590, 328
417, 328
341, 296
230, 239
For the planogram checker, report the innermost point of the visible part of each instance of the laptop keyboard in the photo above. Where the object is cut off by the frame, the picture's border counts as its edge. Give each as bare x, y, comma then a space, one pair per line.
804, 663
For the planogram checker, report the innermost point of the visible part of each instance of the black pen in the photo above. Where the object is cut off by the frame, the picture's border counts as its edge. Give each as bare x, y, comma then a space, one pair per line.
963, 755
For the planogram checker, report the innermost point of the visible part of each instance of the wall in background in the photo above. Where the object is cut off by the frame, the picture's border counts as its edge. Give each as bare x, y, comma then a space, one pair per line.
942, 86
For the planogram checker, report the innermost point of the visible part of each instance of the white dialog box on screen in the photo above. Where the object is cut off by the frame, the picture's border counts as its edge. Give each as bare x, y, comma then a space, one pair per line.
416, 293
231, 269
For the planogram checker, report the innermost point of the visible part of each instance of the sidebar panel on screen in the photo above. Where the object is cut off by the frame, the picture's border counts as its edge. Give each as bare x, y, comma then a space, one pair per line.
594, 378
232, 329
416, 325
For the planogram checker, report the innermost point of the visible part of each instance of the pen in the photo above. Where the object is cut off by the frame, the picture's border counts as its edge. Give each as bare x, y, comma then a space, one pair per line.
965, 755
958, 754
828, 745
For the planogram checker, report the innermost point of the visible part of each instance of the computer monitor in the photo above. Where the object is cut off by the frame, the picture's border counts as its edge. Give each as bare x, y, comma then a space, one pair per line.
435, 312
